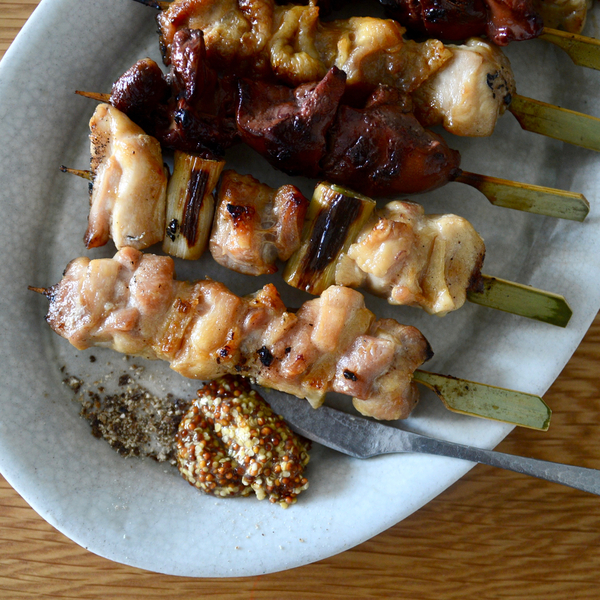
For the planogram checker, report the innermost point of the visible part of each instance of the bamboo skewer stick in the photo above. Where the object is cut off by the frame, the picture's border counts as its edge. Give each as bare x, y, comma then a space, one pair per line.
522, 300
556, 122
584, 51
94, 96
487, 401
529, 198
84, 174
469, 397
526, 197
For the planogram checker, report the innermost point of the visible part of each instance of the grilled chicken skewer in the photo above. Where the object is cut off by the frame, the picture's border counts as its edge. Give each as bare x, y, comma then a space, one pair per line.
291, 43
400, 254
132, 304
308, 131
501, 21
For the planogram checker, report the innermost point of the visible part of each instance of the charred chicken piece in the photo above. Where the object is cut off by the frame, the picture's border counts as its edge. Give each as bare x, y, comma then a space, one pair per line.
132, 303
190, 108
290, 126
129, 183
379, 150
255, 225
502, 21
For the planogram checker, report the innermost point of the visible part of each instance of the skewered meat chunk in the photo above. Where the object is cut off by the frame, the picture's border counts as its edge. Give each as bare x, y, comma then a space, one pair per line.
469, 93
378, 150
255, 225
257, 38
131, 303
129, 183
414, 259
290, 126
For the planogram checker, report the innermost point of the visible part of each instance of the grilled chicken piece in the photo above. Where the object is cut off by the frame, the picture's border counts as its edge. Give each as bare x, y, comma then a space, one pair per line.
413, 259
469, 93
257, 38
131, 303
129, 183
502, 21
255, 225
379, 150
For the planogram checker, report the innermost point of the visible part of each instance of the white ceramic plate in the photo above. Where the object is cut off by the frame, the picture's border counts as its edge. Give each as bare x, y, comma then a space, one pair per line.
142, 513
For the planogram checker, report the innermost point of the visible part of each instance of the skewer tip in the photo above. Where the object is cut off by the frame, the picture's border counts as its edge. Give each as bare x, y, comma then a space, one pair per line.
154, 4
94, 95
79, 172
38, 290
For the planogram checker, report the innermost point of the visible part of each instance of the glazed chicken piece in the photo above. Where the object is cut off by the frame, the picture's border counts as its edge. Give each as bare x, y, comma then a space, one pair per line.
379, 149
257, 38
132, 303
501, 21
255, 225
414, 259
129, 183
469, 93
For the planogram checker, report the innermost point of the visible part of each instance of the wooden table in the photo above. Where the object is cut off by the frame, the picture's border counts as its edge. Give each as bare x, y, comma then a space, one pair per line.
492, 535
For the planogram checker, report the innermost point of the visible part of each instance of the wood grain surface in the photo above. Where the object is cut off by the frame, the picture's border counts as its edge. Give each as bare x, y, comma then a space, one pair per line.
492, 535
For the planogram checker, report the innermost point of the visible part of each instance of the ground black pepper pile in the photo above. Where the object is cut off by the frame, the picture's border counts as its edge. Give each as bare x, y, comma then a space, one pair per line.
133, 421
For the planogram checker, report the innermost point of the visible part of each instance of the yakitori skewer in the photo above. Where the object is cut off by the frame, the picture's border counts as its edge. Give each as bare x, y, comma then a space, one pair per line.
292, 44
460, 20
399, 253
133, 304
311, 132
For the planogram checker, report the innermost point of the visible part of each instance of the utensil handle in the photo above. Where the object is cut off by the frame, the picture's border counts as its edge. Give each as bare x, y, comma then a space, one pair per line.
579, 478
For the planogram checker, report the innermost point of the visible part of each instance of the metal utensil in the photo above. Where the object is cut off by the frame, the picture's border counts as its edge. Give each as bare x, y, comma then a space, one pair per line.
363, 438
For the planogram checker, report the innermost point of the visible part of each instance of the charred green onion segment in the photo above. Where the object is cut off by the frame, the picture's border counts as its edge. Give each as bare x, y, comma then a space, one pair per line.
190, 205
231, 443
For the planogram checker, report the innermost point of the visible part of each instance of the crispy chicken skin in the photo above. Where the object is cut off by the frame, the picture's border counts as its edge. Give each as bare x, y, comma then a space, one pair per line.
128, 195
132, 303
254, 224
